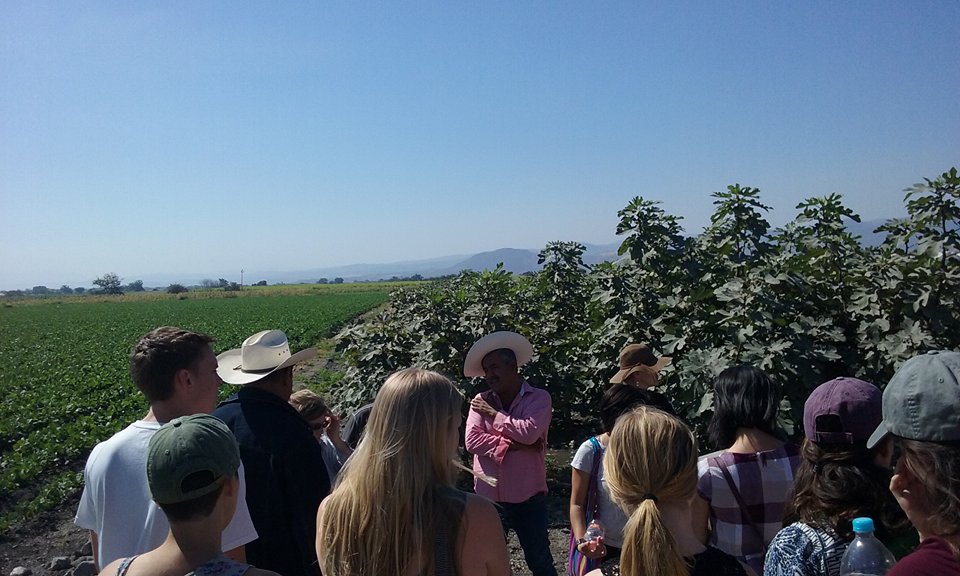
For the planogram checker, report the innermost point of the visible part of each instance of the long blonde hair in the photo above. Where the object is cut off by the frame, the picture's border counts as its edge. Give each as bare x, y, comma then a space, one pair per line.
651, 458
394, 492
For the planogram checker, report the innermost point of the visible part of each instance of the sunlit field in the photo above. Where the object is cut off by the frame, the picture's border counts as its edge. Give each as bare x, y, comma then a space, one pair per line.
63, 368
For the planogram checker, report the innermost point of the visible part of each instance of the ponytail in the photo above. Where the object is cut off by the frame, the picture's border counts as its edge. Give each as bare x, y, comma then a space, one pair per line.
648, 547
651, 455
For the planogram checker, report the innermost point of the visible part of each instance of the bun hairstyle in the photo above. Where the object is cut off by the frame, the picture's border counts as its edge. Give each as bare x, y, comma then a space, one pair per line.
651, 459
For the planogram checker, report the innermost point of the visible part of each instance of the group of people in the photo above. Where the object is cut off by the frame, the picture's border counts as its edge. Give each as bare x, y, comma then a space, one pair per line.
269, 511
267, 478
201, 487
763, 505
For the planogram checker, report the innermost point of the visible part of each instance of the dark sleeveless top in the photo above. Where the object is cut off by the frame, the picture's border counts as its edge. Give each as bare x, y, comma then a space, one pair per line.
445, 540
710, 562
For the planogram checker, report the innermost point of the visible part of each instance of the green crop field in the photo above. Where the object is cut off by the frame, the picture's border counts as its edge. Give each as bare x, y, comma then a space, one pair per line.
64, 380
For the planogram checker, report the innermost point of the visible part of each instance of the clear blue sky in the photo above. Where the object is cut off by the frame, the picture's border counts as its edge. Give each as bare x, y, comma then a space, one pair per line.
205, 137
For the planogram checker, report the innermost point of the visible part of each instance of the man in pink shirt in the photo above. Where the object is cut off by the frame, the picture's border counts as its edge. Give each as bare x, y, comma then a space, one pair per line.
507, 434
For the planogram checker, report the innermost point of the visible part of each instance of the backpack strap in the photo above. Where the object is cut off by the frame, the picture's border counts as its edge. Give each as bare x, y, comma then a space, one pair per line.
594, 486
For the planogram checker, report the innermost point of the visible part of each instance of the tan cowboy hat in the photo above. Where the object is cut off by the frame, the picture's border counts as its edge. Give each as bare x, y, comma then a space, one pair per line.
638, 358
521, 348
260, 355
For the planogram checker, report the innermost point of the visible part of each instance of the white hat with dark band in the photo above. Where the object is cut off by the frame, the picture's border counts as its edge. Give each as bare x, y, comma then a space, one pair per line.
259, 356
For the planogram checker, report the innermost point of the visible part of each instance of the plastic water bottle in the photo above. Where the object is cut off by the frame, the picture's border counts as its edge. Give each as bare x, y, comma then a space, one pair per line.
594, 530
866, 556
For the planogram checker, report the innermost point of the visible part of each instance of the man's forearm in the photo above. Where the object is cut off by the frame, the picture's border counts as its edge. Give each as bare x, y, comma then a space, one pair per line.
481, 443
523, 430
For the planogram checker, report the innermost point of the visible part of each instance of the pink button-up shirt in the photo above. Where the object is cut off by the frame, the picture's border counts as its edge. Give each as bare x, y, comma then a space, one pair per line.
520, 473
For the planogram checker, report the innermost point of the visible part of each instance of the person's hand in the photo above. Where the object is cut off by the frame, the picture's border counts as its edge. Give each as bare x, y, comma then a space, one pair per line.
333, 425
538, 445
480, 405
593, 549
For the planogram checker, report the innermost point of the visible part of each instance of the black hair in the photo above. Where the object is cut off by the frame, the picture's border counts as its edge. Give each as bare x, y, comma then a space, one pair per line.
621, 398
743, 397
275, 377
505, 354
199, 507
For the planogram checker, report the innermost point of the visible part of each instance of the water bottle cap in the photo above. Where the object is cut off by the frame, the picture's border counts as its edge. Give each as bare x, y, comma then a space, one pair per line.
862, 525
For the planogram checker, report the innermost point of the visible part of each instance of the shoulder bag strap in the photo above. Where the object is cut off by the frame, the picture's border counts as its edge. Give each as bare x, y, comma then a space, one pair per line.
594, 486
736, 494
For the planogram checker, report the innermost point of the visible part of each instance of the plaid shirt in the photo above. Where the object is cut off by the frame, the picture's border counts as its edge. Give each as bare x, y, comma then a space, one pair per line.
764, 480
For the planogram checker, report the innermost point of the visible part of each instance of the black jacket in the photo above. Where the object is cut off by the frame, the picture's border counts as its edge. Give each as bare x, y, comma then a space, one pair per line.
286, 480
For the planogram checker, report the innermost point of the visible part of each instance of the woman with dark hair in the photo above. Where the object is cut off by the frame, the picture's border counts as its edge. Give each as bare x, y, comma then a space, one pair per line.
838, 480
921, 411
589, 499
743, 489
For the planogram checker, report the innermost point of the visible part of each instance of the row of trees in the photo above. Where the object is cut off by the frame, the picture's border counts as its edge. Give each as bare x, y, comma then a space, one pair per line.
805, 302
107, 284
112, 284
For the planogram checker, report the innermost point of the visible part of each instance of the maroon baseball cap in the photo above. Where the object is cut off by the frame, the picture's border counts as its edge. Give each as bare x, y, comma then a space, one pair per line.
842, 411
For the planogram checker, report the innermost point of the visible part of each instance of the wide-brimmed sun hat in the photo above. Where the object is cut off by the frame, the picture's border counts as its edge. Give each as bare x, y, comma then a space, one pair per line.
260, 355
638, 358
521, 347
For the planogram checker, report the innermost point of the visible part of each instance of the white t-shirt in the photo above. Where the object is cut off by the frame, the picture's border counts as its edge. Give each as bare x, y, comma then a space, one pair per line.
611, 516
116, 501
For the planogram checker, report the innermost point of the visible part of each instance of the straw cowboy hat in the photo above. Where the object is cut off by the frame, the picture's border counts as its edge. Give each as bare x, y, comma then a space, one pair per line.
259, 356
638, 358
521, 348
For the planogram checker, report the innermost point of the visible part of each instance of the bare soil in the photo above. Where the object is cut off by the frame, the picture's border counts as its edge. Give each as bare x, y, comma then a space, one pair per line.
35, 543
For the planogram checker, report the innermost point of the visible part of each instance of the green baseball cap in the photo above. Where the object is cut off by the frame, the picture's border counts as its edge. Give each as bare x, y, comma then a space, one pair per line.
188, 456
922, 400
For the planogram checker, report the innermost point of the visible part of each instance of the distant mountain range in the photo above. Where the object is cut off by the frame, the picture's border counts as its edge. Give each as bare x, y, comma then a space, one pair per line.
515, 260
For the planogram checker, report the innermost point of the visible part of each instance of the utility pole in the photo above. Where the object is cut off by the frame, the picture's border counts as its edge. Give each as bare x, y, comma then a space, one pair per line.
241, 278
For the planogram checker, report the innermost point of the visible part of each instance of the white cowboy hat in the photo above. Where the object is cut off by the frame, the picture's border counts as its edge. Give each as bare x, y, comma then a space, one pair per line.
260, 355
521, 348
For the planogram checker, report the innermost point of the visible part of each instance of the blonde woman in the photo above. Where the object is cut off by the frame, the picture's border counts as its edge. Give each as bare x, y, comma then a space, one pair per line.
395, 510
651, 472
